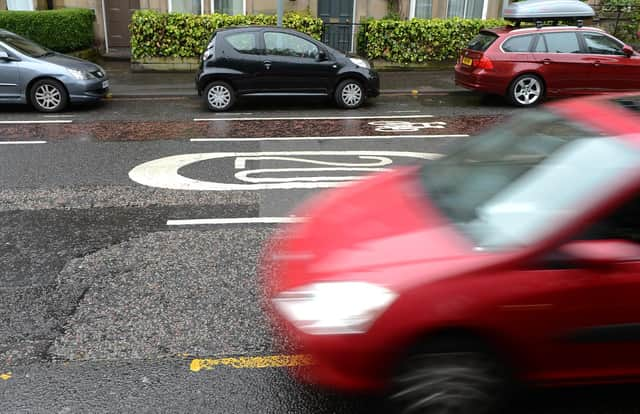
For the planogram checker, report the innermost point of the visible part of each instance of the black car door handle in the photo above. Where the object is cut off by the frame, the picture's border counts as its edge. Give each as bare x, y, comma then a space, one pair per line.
267, 64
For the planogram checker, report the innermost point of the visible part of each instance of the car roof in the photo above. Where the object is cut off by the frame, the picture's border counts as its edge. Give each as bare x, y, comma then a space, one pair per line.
511, 30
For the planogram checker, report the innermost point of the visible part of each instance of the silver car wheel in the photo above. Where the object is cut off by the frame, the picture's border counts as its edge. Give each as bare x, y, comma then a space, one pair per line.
48, 96
219, 97
527, 91
351, 94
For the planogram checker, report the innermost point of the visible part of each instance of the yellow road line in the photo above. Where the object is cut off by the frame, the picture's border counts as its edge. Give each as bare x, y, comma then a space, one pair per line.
5, 376
251, 362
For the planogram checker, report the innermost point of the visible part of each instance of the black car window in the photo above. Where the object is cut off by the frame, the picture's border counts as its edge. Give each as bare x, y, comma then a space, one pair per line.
243, 42
284, 44
517, 44
562, 42
623, 223
482, 41
602, 45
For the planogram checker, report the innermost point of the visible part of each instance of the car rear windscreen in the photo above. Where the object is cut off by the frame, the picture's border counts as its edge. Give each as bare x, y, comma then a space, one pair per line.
482, 41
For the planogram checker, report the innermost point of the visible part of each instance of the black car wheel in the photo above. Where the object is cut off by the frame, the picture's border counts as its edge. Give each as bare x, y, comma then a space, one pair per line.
219, 96
449, 377
349, 94
48, 95
526, 90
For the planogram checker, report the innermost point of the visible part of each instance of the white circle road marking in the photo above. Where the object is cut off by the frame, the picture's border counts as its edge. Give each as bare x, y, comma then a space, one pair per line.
163, 172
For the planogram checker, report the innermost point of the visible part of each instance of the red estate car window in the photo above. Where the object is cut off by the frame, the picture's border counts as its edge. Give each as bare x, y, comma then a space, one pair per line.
600, 44
482, 41
562, 42
518, 44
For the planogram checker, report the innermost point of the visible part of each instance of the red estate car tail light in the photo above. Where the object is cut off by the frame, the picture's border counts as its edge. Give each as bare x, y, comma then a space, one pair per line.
484, 63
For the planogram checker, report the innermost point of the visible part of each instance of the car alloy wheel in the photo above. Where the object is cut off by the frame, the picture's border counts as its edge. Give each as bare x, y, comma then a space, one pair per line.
48, 95
526, 90
219, 96
350, 94
448, 382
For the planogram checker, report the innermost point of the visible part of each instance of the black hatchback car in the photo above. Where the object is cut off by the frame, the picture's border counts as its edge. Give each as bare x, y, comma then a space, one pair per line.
271, 61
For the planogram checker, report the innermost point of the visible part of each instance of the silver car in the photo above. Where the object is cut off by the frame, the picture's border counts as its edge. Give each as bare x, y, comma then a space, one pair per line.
47, 80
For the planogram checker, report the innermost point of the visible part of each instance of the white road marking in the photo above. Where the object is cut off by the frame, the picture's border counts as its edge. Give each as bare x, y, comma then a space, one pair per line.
344, 137
247, 220
309, 118
48, 121
21, 142
400, 126
164, 172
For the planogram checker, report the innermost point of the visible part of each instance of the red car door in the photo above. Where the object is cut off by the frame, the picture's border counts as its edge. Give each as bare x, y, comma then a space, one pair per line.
562, 63
551, 301
579, 321
611, 69
616, 337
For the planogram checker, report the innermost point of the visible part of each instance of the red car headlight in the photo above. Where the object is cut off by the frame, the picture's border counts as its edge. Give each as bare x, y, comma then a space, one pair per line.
330, 308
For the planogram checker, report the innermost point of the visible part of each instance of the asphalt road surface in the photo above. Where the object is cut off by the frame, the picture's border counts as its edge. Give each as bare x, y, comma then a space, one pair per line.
130, 236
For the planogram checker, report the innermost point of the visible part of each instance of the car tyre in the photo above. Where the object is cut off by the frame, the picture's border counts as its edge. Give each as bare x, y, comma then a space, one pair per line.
526, 90
219, 96
350, 94
48, 95
449, 376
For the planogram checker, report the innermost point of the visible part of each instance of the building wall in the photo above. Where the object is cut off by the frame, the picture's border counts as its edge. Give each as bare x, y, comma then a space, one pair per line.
3, 4
96, 6
495, 9
271, 6
439, 8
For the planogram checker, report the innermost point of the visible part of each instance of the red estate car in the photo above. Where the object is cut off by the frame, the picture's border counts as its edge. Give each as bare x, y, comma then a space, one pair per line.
526, 65
514, 258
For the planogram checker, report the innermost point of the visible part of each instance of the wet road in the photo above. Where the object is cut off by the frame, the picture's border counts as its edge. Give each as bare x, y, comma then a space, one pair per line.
109, 288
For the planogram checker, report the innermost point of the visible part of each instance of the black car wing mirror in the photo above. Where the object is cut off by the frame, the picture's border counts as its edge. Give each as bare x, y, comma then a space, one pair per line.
322, 56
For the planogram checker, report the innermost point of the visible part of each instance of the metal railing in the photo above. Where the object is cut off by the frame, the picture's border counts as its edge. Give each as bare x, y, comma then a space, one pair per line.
342, 36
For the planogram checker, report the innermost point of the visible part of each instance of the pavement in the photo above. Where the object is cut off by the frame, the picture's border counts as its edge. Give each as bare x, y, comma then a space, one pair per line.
125, 83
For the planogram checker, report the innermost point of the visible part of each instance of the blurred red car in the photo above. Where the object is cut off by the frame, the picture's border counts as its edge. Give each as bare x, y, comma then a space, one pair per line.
516, 257
528, 64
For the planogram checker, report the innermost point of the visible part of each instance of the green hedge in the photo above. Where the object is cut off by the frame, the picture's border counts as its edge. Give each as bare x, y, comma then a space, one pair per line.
62, 30
419, 40
155, 34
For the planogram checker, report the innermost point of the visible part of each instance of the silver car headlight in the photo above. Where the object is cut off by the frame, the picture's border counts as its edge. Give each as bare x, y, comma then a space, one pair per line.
360, 62
330, 308
79, 74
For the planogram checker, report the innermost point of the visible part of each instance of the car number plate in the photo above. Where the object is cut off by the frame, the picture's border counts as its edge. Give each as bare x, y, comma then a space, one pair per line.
467, 61
105, 84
